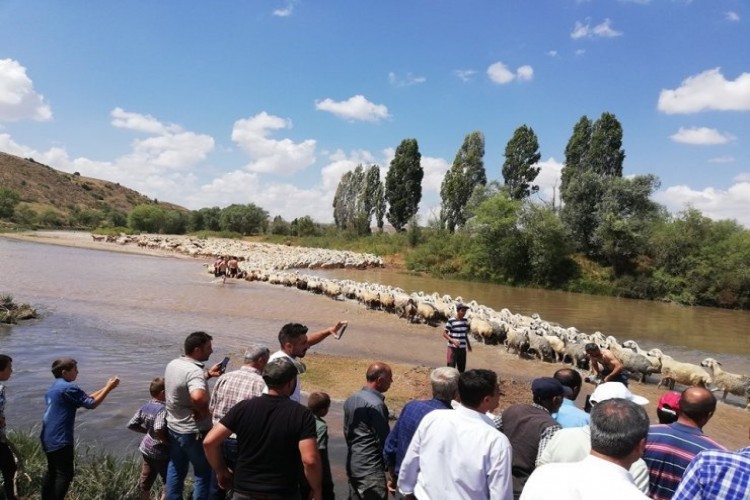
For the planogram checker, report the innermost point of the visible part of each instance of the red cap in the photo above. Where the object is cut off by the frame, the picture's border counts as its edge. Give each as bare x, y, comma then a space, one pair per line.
671, 400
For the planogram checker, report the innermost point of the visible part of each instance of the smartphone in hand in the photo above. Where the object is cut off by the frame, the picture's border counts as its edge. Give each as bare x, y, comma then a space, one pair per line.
224, 363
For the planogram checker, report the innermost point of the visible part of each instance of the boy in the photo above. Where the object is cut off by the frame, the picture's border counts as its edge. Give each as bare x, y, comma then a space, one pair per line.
319, 403
8, 464
63, 400
151, 420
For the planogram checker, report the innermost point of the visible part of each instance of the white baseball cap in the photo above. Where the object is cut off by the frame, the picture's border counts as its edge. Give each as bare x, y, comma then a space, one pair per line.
612, 390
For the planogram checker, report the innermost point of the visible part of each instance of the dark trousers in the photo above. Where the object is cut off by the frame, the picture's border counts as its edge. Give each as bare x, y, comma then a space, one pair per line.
9, 468
457, 358
60, 470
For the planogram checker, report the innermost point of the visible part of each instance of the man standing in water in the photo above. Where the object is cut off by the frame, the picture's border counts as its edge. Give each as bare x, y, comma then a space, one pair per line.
457, 334
188, 416
8, 465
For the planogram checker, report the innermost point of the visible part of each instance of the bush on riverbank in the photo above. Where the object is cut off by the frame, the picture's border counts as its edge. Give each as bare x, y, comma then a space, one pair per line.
99, 475
11, 313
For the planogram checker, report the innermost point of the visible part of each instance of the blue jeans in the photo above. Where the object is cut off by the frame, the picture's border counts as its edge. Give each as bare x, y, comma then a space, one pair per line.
186, 449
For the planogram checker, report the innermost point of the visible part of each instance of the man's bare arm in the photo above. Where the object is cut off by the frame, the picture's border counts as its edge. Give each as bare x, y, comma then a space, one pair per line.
318, 337
212, 446
308, 449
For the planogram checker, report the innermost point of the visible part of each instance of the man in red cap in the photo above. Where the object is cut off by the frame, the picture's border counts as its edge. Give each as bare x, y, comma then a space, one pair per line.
668, 408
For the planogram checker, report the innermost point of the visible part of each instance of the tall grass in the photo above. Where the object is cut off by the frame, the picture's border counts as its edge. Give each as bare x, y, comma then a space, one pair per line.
99, 475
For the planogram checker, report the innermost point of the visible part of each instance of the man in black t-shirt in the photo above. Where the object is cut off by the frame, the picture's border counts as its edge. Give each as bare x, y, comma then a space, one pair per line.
276, 441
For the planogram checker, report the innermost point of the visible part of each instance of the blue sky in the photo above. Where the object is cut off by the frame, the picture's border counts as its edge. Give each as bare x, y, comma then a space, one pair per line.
271, 101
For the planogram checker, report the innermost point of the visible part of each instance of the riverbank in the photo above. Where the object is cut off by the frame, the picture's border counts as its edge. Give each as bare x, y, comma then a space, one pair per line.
339, 365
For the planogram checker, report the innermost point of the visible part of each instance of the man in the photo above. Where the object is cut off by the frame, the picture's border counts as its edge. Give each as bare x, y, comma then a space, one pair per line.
444, 382
457, 335
568, 415
605, 365
671, 447
668, 407
459, 454
530, 427
716, 474
276, 442
618, 435
573, 444
8, 459
236, 386
63, 400
188, 416
365, 430
295, 342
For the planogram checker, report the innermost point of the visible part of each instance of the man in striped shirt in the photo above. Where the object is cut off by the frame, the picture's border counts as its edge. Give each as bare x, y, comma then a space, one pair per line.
457, 334
670, 448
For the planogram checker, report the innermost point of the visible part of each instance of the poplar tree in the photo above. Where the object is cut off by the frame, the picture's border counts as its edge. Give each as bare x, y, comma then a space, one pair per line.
403, 184
466, 173
520, 167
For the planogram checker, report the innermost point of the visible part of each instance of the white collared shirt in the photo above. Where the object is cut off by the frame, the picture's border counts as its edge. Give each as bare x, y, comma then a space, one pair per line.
457, 454
592, 478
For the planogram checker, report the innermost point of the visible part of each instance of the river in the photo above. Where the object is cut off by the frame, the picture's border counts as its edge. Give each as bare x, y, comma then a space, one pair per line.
128, 315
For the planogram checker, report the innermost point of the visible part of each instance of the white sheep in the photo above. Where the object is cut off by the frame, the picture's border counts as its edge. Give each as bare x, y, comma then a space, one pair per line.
673, 371
728, 382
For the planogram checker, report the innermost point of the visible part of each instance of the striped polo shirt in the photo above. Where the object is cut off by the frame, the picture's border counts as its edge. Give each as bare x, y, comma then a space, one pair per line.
669, 450
457, 329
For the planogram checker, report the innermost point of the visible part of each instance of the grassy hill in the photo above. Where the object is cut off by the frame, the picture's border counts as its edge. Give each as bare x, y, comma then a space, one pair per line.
44, 190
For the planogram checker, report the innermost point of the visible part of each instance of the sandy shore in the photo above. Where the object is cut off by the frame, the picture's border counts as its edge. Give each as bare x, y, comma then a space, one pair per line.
412, 349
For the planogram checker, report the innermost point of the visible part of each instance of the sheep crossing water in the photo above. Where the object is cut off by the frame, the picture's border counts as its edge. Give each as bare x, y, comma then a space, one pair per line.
527, 336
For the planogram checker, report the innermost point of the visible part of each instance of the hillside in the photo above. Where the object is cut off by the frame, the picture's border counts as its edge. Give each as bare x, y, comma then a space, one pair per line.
42, 188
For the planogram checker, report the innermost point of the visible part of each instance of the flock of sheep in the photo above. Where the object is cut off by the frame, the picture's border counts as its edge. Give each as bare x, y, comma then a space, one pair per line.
527, 336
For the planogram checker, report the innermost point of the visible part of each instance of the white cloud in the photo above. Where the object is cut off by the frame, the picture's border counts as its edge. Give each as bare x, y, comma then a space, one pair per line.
548, 180
714, 203
465, 74
602, 30
341, 163
354, 108
140, 123
285, 11
18, 100
701, 136
499, 73
406, 81
580, 52
270, 155
552, 53
525, 73
722, 159
434, 172
707, 91
743, 177
732, 16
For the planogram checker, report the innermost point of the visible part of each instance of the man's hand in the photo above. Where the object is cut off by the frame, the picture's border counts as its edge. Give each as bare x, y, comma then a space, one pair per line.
113, 382
215, 370
391, 486
225, 479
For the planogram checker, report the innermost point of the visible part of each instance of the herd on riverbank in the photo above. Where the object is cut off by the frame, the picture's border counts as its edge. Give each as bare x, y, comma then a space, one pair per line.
526, 336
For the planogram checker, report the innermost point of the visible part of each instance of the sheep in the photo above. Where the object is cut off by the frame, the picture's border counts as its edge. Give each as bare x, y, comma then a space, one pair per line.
673, 371
576, 353
518, 341
728, 382
633, 346
427, 312
481, 329
558, 346
632, 362
540, 346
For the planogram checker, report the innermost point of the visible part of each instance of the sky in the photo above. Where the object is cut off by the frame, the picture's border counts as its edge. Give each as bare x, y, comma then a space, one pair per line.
271, 101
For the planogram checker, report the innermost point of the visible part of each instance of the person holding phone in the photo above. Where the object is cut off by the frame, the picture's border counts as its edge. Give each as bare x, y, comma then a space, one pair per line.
236, 386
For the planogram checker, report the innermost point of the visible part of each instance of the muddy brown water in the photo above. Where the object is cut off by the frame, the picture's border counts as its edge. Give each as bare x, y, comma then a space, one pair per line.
129, 314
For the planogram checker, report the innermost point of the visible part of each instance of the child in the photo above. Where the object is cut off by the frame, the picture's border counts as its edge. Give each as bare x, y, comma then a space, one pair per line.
319, 403
150, 420
63, 400
8, 464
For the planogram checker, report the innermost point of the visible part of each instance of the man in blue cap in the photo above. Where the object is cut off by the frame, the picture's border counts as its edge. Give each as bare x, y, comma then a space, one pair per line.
529, 427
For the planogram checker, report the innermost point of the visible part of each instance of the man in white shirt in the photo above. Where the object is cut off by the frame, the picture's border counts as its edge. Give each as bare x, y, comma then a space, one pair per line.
574, 444
618, 437
459, 454
294, 342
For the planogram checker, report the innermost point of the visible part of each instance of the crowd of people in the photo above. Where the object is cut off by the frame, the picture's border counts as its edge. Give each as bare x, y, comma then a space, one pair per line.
250, 438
